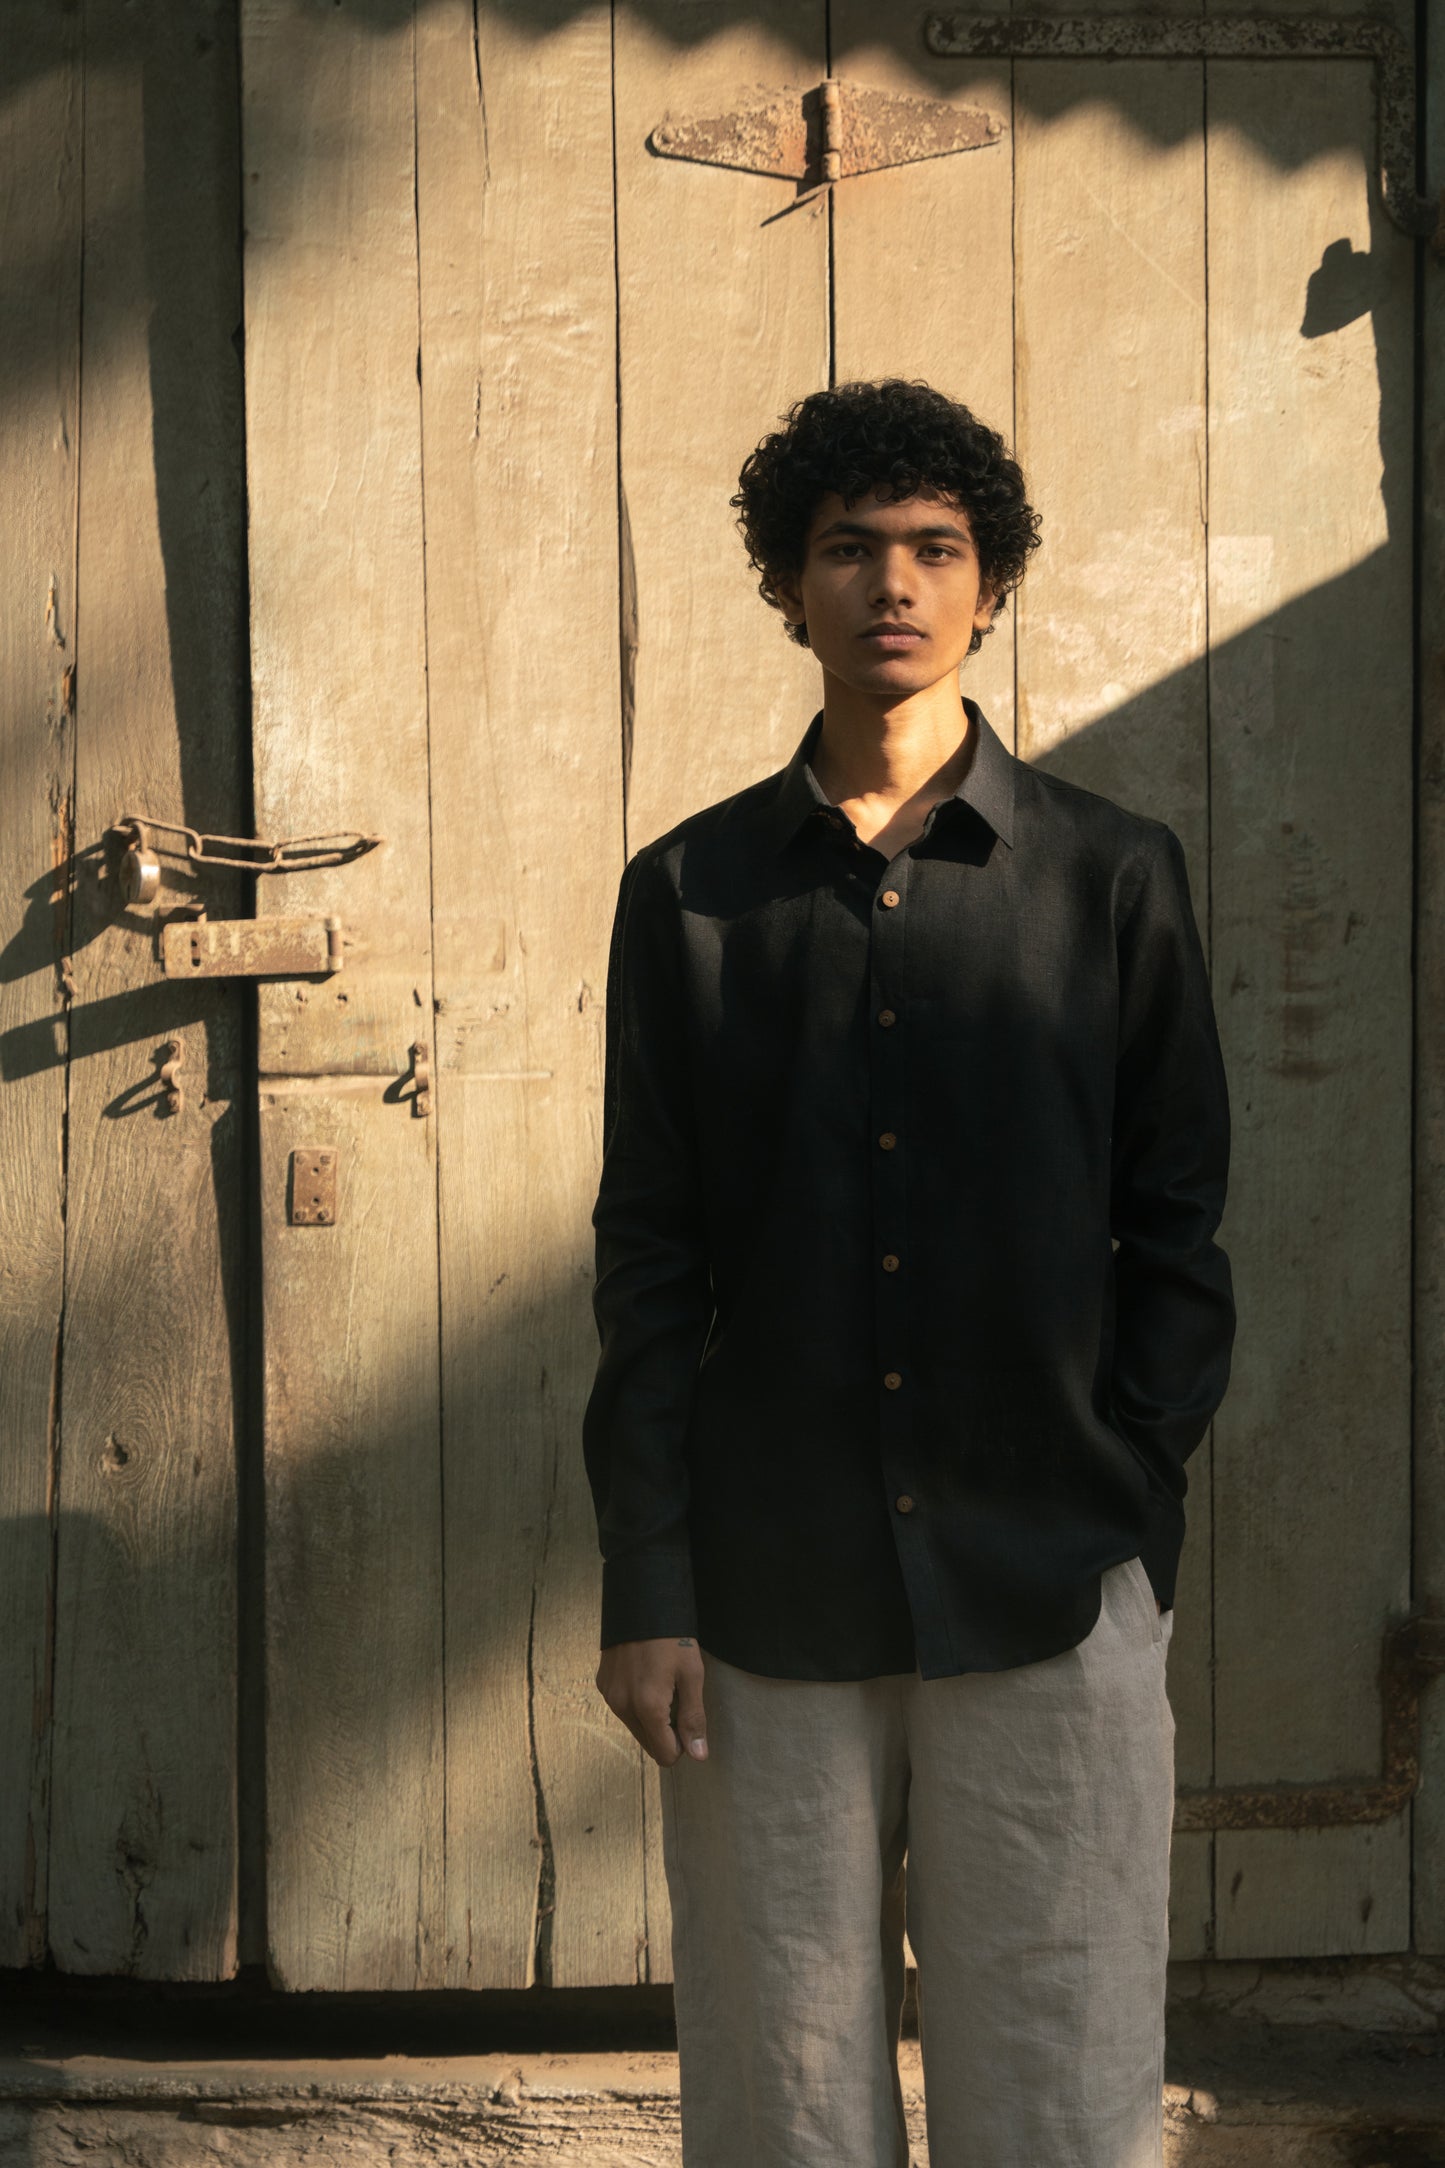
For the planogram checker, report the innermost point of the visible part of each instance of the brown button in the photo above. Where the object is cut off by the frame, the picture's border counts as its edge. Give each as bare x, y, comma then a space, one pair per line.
890, 1263
889, 897
887, 1140
887, 1016
905, 1503
892, 1379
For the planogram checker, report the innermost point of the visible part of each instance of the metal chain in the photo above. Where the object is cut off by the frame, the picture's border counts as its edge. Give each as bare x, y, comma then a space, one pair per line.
293, 854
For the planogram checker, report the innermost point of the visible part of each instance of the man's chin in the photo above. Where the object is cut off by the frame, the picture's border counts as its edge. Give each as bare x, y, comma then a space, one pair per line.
899, 676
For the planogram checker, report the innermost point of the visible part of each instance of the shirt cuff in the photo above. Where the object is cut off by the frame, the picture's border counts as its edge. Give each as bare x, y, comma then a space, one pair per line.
648, 1596
1161, 1544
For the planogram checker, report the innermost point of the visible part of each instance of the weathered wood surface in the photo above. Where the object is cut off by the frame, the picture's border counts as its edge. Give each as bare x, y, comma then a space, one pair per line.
431, 1602
1429, 1304
545, 1877
1109, 301
143, 1842
40, 339
355, 1751
723, 322
923, 267
1310, 699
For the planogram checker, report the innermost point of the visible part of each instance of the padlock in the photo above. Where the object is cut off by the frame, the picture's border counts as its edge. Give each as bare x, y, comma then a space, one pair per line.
140, 870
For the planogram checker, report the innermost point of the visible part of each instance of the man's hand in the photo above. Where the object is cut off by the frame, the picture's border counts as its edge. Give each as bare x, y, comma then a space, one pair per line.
642, 1681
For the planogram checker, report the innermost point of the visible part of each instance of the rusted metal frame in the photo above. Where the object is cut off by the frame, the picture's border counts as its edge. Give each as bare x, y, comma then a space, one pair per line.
1413, 1652
1227, 37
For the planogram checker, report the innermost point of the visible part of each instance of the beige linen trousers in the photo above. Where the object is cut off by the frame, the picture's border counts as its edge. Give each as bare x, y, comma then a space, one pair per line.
1034, 1806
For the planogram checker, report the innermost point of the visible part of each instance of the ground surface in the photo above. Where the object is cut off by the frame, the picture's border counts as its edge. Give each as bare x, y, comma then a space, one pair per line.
1242, 2094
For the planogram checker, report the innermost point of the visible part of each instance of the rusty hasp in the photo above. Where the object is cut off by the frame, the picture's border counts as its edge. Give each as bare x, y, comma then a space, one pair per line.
196, 947
1227, 37
830, 133
1413, 1652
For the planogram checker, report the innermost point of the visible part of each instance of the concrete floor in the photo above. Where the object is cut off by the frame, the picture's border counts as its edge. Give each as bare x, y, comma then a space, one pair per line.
83, 2087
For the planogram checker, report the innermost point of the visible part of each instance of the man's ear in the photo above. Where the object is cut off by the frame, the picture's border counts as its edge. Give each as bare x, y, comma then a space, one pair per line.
987, 602
789, 592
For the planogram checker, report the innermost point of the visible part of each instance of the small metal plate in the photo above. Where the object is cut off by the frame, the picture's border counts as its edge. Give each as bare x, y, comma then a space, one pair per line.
313, 1186
245, 948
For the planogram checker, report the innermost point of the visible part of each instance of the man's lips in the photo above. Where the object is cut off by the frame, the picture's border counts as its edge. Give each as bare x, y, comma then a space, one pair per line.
893, 636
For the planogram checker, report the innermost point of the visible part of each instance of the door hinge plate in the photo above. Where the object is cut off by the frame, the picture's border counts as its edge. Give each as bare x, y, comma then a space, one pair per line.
313, 1186
827, 134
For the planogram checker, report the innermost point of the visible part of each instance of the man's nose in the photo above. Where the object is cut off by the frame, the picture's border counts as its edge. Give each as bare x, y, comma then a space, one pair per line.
892, 577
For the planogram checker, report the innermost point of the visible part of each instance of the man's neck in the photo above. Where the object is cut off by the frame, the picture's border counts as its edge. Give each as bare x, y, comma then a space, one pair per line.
886, 764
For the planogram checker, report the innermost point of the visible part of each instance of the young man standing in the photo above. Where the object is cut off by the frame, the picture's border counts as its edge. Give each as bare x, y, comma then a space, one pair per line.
916, 1137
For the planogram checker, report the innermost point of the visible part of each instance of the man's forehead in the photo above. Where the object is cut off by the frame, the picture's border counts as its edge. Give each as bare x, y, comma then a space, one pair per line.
934, 511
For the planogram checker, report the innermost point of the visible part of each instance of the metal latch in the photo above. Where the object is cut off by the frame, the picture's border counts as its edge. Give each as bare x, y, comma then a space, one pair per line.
827, 134
251, 948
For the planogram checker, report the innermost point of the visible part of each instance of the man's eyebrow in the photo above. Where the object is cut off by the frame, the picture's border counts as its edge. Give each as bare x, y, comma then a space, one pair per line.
914, 534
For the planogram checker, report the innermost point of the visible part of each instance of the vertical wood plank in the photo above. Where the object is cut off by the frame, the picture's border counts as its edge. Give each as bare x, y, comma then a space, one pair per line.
1310, 672
520, 433
722, 323
40, 338
355, 1748
1429, 1312
923, 267
143, 1845
1109, 243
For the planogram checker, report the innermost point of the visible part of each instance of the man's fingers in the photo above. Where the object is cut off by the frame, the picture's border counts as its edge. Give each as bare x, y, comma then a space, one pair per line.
643, 1681
651, 1728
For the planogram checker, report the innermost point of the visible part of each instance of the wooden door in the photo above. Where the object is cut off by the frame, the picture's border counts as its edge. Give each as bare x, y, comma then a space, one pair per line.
514, 630
501, 365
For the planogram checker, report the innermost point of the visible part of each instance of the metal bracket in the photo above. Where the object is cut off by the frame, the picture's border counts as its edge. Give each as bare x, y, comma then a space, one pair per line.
826, 134
1227, 37
197, 947
421, 1077
1413, 1652
313, 1186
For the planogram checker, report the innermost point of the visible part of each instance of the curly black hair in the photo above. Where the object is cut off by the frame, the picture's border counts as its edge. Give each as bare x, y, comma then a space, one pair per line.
900, 438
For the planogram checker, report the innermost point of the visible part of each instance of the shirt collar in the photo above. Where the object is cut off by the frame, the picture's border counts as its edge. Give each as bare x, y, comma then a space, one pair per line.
988, 786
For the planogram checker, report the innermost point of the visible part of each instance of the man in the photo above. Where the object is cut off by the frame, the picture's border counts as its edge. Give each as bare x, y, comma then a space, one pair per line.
916, 1136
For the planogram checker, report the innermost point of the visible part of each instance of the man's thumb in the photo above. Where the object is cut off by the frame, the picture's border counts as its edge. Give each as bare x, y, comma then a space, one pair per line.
691, 1726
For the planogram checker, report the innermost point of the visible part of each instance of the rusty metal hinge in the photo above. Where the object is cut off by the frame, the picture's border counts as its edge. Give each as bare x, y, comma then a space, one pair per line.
1413, 1652
826, 134
1227, 37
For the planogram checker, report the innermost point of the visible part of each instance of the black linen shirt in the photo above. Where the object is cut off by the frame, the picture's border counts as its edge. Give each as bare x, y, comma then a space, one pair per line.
909, 1300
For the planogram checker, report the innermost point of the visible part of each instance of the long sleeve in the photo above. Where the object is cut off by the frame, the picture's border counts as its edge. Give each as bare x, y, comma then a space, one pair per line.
1174, 1306
653, 1298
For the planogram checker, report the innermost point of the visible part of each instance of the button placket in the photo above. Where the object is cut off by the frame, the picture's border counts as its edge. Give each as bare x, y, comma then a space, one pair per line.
888, 1046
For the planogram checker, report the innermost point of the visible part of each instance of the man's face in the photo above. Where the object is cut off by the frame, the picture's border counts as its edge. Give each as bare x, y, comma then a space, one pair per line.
890, 591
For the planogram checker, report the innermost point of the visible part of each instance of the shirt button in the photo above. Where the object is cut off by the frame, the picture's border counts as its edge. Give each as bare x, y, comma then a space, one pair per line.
893, 1379
890, 1263
887, 1016
904, 1504
888, 898
887, 1140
